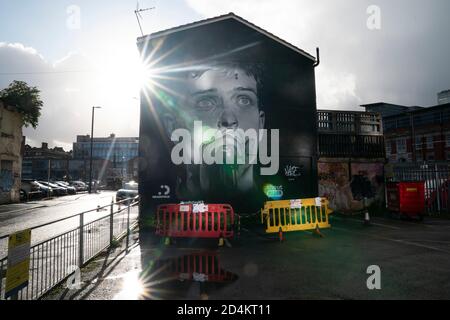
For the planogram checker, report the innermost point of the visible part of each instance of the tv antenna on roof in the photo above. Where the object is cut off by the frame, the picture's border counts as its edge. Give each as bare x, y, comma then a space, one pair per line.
137, 12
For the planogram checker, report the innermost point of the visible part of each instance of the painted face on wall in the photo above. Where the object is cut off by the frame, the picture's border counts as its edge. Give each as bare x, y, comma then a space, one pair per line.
224, 98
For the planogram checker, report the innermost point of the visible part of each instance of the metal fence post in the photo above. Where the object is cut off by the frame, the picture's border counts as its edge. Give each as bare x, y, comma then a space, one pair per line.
52, 259
128, 224
438, 189
111, 223
81, 241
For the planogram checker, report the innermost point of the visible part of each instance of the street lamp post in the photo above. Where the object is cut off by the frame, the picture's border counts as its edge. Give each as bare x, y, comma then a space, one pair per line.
123, 169
92, 141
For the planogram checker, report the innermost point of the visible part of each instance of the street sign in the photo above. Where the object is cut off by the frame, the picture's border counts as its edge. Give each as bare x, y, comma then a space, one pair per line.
17, 274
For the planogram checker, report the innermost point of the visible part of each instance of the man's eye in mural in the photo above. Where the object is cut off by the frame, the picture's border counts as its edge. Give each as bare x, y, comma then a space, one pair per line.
206, 103
244, 101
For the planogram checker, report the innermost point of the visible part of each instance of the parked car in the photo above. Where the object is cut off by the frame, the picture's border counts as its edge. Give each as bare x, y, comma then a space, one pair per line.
129, 191
79, 186
63, 190
48, 191
57, 190
70, 189
30, 190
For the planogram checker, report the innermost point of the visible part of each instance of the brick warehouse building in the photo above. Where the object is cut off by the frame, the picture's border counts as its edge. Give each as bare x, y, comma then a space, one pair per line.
418, 135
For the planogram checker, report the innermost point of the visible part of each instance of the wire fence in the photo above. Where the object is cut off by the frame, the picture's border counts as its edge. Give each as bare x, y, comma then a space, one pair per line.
57, 258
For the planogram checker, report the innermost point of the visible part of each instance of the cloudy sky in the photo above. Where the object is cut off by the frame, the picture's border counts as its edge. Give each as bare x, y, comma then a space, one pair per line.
83, 53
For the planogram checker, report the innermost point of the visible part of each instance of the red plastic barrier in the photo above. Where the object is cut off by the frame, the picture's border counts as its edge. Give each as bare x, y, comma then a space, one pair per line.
203, 267
195, 220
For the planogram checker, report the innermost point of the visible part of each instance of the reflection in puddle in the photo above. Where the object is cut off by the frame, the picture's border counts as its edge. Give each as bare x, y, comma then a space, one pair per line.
192, 276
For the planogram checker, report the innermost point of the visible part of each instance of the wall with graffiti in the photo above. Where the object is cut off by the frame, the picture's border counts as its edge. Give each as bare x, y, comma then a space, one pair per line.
10, 154
347, 183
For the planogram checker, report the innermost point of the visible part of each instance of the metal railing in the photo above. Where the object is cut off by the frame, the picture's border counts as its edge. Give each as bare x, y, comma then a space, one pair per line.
349, 122
350, 134
55, 259
351, 146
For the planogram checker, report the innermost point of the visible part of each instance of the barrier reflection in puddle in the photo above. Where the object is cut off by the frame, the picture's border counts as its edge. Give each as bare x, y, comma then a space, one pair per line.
193, 276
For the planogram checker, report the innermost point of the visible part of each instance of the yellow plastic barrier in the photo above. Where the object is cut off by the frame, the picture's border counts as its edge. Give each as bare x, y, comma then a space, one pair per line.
295, 215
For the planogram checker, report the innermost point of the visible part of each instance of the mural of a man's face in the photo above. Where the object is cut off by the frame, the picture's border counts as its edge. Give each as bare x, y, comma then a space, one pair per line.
224, 98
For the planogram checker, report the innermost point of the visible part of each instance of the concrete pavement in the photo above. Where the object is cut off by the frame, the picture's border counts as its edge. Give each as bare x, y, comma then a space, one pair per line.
414, 259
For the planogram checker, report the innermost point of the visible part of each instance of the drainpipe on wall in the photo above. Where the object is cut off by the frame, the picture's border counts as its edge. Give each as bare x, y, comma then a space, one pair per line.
317, 145
317, 58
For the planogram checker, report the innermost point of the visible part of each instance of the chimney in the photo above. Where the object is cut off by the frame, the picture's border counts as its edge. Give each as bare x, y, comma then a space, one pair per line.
44, 145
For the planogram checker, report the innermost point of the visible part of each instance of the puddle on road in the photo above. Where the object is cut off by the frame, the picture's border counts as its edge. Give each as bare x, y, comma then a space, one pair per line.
197, 275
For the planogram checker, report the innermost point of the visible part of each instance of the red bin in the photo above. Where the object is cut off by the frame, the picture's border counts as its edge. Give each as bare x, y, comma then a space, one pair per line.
406, 198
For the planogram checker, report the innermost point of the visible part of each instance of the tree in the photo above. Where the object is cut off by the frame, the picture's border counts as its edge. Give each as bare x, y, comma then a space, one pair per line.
25, 99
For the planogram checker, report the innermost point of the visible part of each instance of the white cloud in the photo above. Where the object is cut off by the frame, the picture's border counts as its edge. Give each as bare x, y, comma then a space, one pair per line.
404, 62
285, 18
293, 21
69, 88
336, 90
20, 47
31, 142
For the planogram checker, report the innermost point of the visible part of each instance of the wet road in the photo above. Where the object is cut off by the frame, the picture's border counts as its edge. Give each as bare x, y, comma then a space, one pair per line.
34, 213
414, 259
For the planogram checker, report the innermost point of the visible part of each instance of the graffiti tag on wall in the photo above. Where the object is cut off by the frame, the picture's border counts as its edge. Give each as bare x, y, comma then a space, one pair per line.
346, 190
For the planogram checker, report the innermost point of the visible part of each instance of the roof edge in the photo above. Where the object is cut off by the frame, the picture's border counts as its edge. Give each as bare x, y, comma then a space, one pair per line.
230, 15
421, 110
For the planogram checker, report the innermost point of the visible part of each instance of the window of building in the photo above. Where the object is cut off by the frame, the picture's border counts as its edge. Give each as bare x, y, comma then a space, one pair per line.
430, 156
427, 118
419, 157
403, 122
447, 139
7, 126
418, 143
6, 175
6, 165
430, 143
401, 145
388, 147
